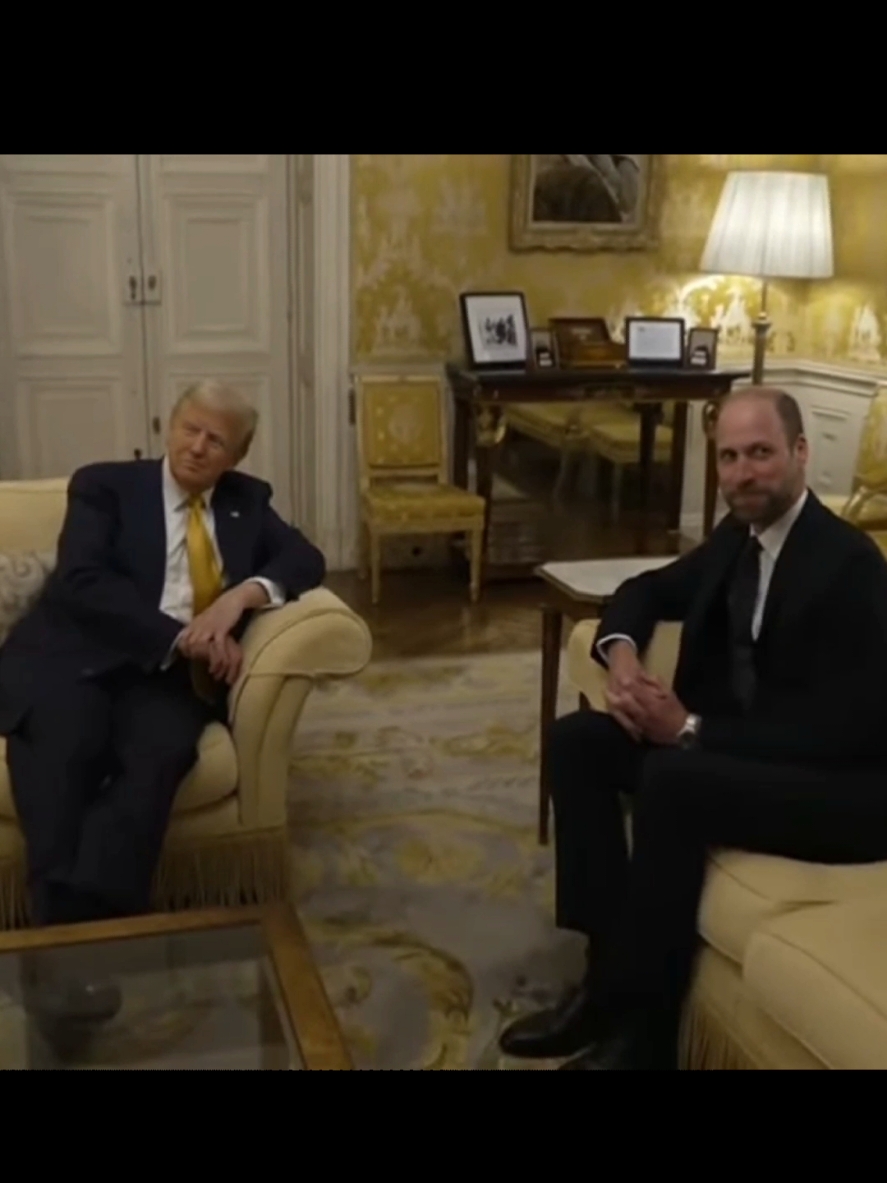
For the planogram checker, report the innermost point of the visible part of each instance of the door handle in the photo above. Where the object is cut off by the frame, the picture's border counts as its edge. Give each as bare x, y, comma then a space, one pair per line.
137, 453
152, 287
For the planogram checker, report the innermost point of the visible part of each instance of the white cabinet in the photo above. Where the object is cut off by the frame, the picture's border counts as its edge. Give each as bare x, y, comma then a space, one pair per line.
122, 280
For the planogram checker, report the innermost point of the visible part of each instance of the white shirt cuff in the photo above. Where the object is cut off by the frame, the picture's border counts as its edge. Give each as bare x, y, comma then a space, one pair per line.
602, 644
172, 655
276, 598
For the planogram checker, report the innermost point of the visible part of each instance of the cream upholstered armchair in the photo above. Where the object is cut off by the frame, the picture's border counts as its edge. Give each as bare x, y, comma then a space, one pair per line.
866, 506
792, 972
403, 462
227, 840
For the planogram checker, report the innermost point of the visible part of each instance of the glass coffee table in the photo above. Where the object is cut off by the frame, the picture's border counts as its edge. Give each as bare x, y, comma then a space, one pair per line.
214, 989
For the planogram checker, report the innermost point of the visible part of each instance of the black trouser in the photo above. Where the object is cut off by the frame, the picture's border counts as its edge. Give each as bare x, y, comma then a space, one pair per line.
642, 913
94, 769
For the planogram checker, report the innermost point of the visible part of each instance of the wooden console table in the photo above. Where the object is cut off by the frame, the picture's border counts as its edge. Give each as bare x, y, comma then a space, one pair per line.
481, 397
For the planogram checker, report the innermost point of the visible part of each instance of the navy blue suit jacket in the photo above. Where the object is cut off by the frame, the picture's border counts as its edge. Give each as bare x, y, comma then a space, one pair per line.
99, 610
821, 656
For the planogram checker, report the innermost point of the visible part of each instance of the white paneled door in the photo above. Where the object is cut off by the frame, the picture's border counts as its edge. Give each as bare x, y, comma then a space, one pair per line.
215, 247
125, 278
71, 343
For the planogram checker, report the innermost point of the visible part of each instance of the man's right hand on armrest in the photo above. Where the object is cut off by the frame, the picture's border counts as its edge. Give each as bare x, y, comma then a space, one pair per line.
223, 656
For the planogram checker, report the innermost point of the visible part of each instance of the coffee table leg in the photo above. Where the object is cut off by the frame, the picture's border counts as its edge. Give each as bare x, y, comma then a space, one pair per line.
552, 625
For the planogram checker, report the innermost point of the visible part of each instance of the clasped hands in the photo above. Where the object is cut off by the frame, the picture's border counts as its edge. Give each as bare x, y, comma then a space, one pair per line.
208, 636
640, 703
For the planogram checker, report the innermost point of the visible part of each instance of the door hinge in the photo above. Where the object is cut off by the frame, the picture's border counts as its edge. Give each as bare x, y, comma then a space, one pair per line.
155, 425
352, 407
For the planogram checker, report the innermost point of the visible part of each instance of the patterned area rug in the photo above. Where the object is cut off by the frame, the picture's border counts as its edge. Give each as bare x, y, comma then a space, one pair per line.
420, 879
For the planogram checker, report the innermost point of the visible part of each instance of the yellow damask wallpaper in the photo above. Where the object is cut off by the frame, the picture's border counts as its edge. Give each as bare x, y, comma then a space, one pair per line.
846, 319
428, 227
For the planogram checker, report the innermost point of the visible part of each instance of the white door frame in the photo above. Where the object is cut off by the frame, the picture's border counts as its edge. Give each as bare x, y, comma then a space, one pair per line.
325, 476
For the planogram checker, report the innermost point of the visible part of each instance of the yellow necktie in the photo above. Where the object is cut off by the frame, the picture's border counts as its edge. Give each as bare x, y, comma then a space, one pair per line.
206, 583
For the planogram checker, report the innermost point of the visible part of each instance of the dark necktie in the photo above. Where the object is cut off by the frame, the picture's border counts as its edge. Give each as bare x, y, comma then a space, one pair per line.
742, 598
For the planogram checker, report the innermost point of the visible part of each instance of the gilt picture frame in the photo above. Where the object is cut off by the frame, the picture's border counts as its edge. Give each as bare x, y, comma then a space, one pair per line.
585, 203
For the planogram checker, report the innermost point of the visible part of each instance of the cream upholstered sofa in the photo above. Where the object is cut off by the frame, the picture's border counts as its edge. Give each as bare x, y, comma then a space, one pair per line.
227, 839
793, 968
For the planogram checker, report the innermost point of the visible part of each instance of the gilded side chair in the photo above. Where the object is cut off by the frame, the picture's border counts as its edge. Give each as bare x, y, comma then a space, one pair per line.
617, 439
403, 465
600, 430
866, 506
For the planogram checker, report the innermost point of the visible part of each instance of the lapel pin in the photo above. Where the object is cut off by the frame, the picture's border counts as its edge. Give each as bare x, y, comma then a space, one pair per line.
235, 513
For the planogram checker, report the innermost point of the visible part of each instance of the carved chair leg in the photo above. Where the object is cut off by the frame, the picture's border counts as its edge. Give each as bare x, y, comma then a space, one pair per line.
616, 492
375, 565
363, 551
477, 539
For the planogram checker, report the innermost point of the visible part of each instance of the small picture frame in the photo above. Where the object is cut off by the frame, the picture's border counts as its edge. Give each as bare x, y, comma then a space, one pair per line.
578, 340
655, 340
702, 348
543, 349
496, 328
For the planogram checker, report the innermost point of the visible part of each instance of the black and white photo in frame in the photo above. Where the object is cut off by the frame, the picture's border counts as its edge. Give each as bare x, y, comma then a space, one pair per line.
496, 328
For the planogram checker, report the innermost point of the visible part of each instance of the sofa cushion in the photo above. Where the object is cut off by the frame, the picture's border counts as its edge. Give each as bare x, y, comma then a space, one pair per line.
821, 974
22, 576
31, 513
213, 777
744, 891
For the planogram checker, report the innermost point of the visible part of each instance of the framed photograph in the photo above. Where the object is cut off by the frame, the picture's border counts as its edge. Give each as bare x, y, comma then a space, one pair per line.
497, 332
543, 349
585, 203
655, 340
702, 348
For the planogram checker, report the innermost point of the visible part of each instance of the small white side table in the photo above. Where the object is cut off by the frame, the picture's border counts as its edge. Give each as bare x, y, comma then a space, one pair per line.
578, 591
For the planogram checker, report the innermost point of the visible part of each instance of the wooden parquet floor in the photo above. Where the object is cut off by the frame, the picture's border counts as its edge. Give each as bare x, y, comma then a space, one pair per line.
423, 613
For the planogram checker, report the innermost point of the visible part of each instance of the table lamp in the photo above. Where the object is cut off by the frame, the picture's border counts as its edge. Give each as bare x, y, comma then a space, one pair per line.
771, 225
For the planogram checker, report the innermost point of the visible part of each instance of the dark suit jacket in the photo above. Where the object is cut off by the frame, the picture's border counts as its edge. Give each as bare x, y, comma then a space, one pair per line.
100, 611
821, 654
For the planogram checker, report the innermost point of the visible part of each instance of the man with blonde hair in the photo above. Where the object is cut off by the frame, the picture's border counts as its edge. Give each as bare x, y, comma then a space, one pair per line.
107, 684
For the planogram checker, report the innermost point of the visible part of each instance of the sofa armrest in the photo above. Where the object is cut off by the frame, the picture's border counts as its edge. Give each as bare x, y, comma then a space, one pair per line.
286, 651
591, 678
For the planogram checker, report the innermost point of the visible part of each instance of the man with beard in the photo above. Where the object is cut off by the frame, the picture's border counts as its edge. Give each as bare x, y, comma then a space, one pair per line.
773, 739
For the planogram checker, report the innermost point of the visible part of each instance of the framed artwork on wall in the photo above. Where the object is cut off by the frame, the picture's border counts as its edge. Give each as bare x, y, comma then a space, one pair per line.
585, 203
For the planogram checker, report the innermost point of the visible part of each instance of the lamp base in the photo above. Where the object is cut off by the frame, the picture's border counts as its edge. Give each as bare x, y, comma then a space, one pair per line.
762, 328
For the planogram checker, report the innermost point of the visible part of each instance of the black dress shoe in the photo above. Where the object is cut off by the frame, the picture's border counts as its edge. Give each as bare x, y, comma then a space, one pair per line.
630, 1048
562, 1030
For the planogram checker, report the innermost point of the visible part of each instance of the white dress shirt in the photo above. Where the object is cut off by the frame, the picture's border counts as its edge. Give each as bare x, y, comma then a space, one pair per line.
177, 599
772, 541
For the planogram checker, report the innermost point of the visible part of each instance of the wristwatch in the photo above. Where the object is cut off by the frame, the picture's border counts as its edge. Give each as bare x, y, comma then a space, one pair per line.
689, 733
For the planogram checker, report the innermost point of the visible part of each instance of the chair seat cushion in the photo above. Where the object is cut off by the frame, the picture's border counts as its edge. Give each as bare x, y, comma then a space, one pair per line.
404, 501
745, 891
821, 974
620, 441
873, 510
555, 423
212, 778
